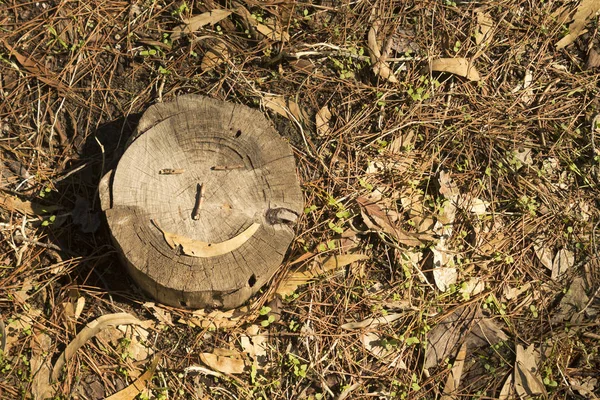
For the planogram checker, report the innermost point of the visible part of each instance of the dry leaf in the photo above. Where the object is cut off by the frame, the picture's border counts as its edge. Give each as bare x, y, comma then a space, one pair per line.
214, 57
572, 302
217, 319
380, 66
284, 107
91, 330
457, 66
41, 367
377, 219
564, 260
255, 345
371, 341
293, 280
273, 32
37, 70
466, 323
198, 21
197, 248
585, 11
372, 322
13, 203
161, 315
543, 253
224, 364
593, 60
508, 389
528, 382
472, 287
453, 380
131, 391
322, 120
483, 31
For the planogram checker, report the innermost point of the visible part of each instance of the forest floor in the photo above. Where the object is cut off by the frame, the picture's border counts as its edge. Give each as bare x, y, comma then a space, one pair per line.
449, 154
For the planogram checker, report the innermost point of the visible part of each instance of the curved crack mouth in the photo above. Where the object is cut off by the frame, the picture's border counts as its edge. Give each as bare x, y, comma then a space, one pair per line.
276, 216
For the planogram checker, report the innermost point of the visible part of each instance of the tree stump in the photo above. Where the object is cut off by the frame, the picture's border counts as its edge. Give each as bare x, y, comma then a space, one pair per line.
201, 205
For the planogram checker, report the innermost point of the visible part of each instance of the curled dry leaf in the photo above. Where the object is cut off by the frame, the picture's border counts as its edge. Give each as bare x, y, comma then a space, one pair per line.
377, 219
198, 21
273, 31
161, 314
457, 66
322, 120
380, 66
483, 31
294, 279
585, 11
224, 364
131, 391
214, 57
91, 330
528, 382
285, 107
197, 248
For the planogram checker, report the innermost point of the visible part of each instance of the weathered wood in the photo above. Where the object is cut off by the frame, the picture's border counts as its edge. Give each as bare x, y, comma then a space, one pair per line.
223, 164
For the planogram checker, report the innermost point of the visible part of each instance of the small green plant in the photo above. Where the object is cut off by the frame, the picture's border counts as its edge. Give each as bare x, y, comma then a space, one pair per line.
49, 221
264, 312
183, 7
299, 368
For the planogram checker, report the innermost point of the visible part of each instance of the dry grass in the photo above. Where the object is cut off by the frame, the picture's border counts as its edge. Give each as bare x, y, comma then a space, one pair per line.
75, 76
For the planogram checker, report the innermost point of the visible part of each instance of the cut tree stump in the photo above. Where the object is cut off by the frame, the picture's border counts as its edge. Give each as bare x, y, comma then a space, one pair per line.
201, 205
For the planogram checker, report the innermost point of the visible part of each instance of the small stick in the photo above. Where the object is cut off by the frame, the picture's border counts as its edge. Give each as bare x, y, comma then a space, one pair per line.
227, 167
199, 201
171, 171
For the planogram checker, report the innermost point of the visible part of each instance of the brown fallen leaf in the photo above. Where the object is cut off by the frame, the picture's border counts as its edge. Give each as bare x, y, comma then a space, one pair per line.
224, 364
377, 219
464, 323
457, 66
585, 11
528, 382
294, 279
161, 314
131, 391
217, 319
322, 120
13, 203
483, 31
41, 367
572, 302
198, 21
593, 60
91, 330
273, 31
372, 322
214, 57
378, 60
197, 248
37, 70
564, 260
453, 380
285, 107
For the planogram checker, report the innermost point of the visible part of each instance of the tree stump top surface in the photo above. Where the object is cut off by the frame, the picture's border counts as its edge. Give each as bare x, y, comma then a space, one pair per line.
202, 203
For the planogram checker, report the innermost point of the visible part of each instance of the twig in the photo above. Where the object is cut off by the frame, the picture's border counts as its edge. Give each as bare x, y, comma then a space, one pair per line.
199, 201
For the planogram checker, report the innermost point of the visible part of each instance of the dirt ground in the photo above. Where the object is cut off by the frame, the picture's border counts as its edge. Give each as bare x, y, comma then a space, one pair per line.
449, 154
